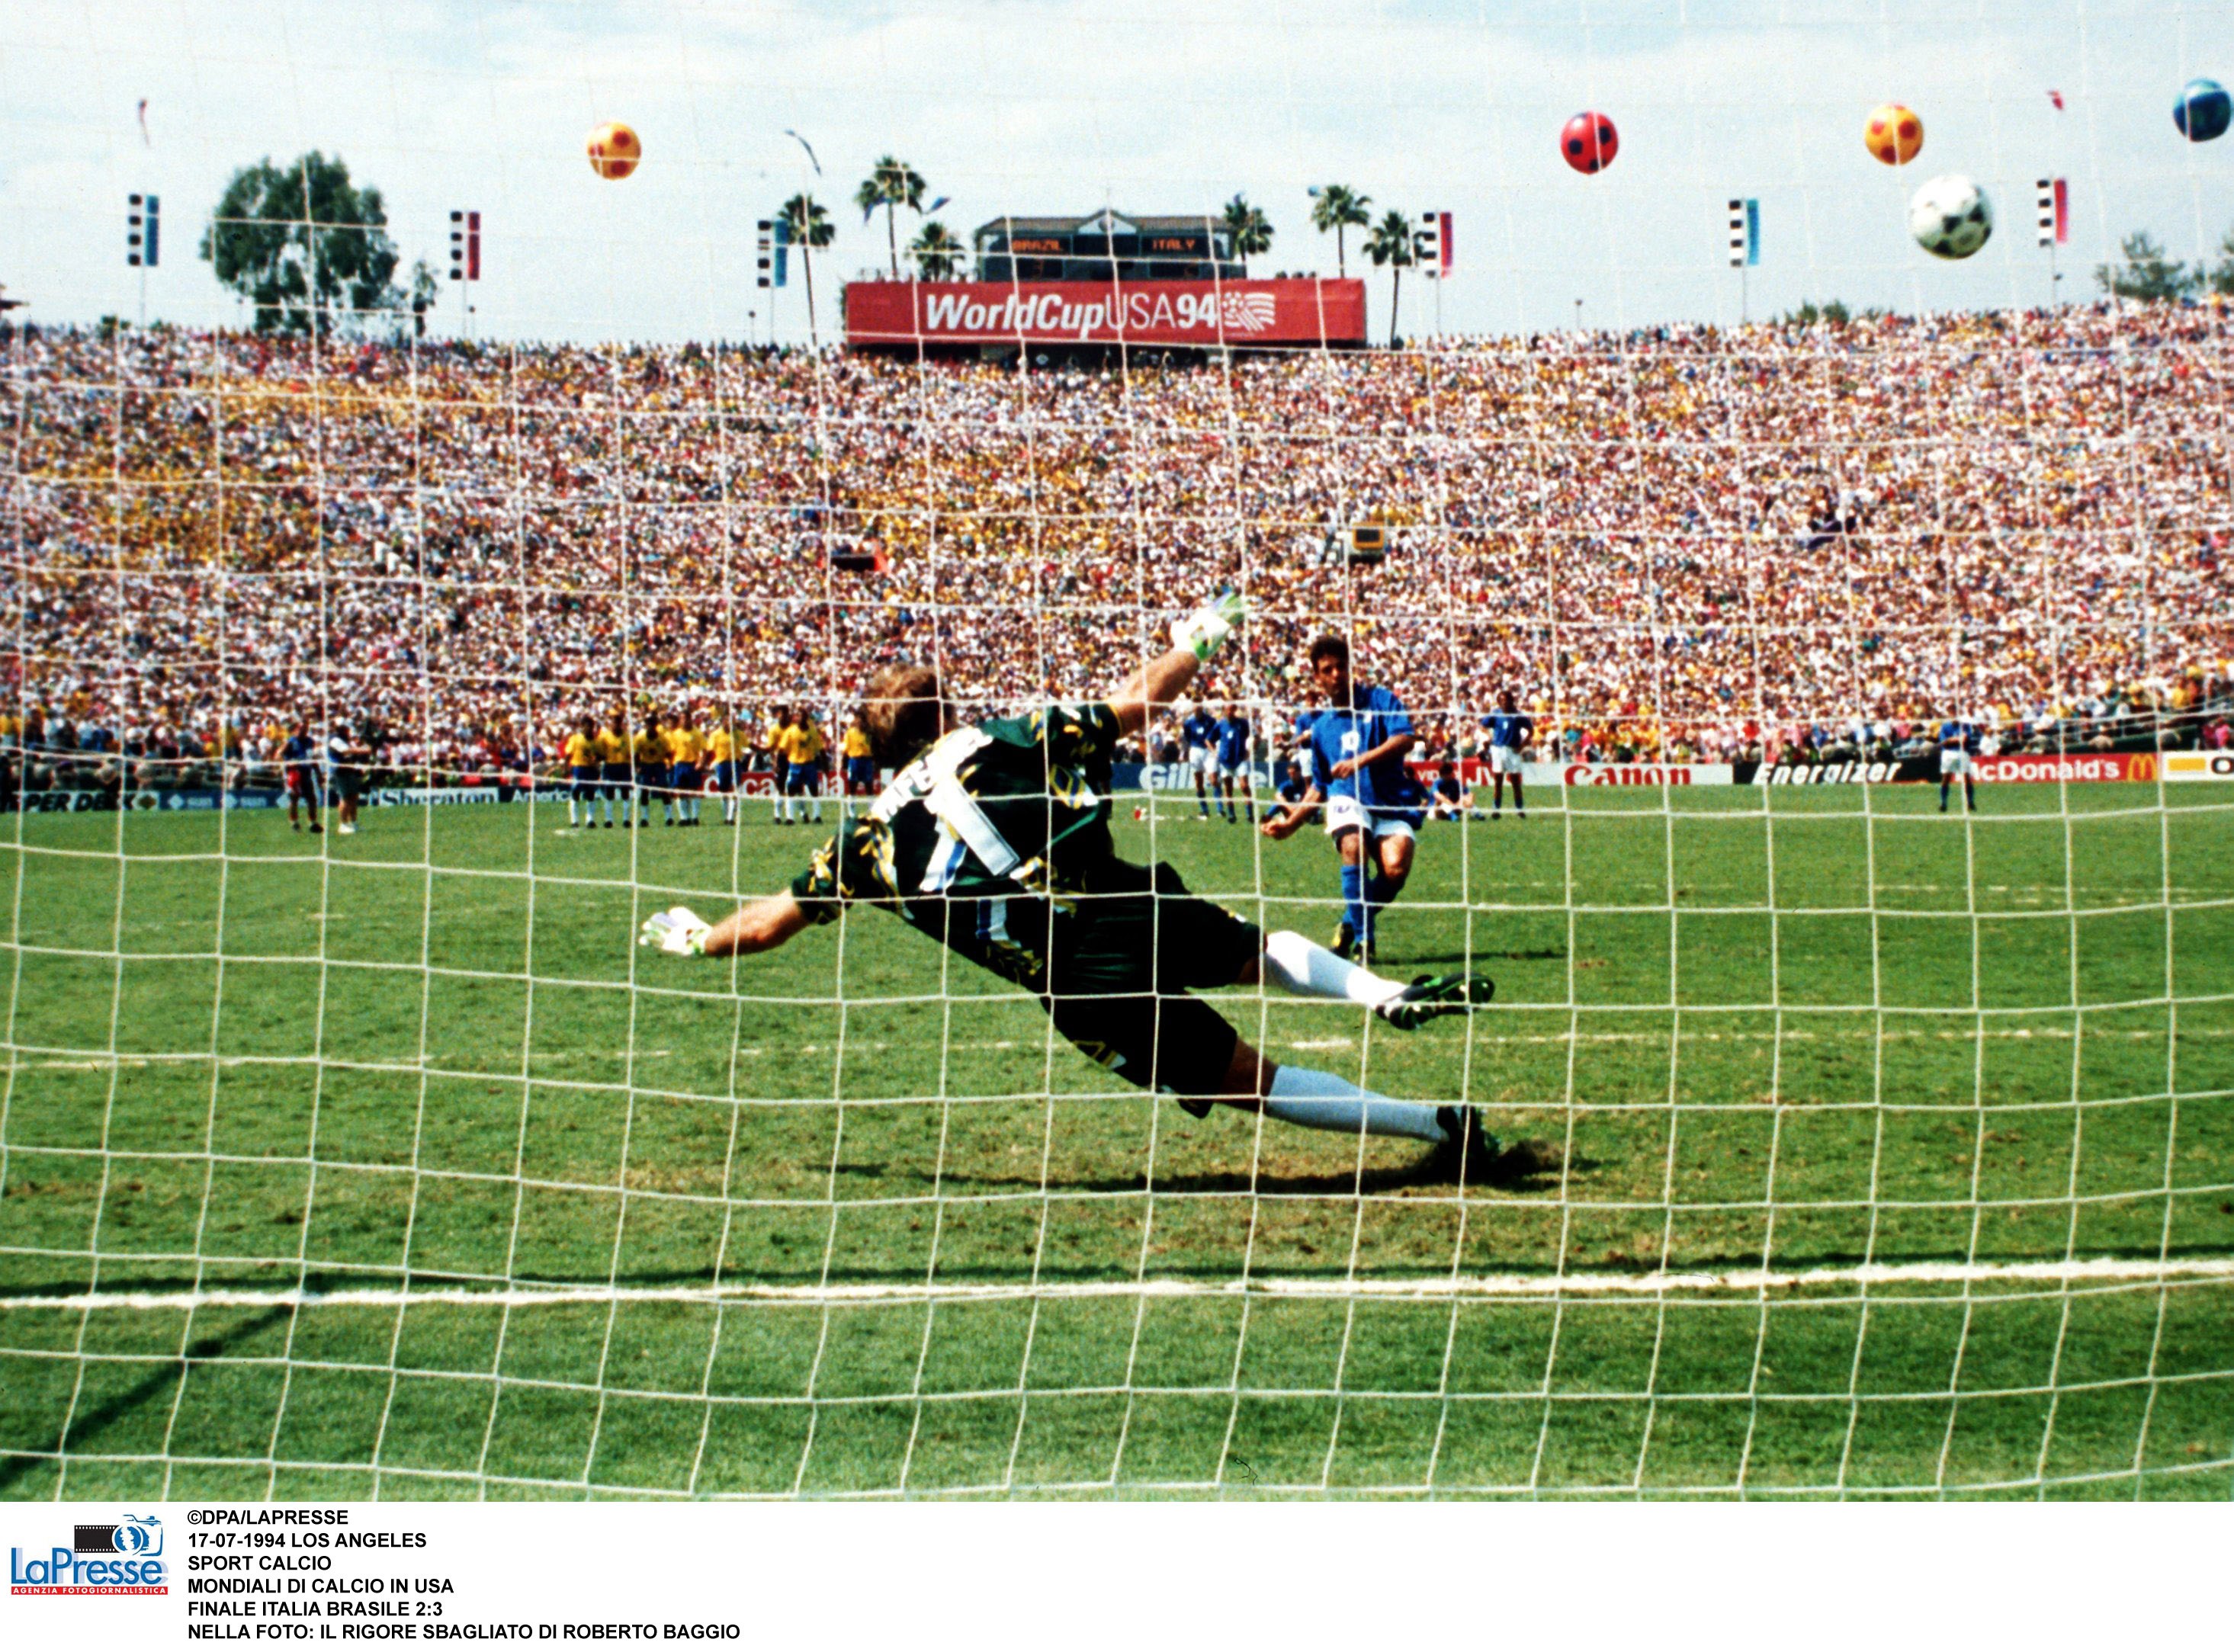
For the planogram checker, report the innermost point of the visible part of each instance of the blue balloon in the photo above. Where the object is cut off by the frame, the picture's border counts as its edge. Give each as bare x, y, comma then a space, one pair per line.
2203, 112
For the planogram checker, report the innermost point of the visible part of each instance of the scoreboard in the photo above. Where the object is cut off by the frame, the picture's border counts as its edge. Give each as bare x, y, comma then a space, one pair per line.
1106, 246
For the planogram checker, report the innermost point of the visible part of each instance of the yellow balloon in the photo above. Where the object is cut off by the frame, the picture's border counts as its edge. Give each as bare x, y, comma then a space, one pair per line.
614, 150
1894, 133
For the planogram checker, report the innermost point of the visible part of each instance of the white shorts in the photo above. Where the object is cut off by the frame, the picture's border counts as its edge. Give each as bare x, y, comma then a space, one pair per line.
1204, 761
1954, 763
1344, 814
1504, 760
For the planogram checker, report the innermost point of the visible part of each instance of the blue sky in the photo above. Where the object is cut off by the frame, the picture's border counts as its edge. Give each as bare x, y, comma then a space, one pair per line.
1151, 105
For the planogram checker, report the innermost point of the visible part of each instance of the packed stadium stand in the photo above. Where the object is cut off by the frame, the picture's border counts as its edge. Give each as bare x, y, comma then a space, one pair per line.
1677, 541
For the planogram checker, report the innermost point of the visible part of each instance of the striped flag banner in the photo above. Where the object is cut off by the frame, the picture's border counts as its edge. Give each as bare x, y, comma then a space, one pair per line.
2054, 199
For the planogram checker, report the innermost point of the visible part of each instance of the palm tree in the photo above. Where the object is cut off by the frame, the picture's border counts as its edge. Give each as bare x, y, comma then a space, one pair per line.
1390, 243
1251, 229
936, 252
890, 183
1333, 207
810, 228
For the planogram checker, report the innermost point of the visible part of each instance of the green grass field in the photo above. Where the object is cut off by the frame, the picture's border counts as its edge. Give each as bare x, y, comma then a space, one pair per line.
1846, 1031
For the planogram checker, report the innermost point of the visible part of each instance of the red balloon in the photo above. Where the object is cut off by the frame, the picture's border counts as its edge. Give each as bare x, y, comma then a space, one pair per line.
1589, 143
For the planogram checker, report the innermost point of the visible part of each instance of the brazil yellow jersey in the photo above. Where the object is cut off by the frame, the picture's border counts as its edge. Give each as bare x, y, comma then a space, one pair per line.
724, 745
611, 749
857, 741
772, 737
581, 750
801, 745
684, 746
650, 745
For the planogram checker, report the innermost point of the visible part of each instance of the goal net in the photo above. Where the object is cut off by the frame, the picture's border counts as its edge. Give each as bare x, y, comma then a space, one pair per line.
1889, 1141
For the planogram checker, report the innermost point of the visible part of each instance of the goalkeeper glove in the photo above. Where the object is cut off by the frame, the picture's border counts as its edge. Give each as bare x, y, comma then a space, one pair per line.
1209, 626
678, 929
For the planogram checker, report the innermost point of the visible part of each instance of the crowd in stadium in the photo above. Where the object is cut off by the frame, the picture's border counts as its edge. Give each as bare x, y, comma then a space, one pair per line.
1678, 542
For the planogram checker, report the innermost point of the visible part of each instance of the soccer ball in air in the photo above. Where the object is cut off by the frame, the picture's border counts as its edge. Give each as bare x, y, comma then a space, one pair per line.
1588, 143
1951, 217
1893, 133
2202, 111
614, 150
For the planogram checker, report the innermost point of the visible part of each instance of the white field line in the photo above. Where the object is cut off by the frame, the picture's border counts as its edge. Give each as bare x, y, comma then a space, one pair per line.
877, 1046
1750, 1280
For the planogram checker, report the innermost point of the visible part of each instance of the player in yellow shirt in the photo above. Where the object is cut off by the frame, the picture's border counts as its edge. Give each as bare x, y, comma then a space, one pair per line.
613, 764
723, 743
772, 738
648, 766
803, 750
579, 750
860, 771
685, 751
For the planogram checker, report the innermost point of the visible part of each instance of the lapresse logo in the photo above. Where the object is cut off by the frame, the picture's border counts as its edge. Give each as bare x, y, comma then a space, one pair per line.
125, 1558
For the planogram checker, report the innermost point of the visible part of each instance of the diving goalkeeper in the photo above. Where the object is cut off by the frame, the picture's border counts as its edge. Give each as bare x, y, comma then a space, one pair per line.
993, 839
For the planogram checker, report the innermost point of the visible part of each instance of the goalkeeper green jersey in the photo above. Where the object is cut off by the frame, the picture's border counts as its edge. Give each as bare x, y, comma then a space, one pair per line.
994, 842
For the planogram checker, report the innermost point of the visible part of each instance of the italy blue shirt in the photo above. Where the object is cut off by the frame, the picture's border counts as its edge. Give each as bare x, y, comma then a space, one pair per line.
1959, 736
1340, 732
1199, 731
1512, 729
1233, 742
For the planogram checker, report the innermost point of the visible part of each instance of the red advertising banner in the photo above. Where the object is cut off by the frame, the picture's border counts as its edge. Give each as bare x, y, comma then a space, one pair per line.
2070, 766
1203, 314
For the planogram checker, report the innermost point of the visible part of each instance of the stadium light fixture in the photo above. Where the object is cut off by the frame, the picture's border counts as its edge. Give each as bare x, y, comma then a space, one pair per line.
143, 227
464, 245
1427, 244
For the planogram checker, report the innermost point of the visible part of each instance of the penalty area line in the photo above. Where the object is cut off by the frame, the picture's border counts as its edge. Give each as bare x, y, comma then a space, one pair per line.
2110, 1269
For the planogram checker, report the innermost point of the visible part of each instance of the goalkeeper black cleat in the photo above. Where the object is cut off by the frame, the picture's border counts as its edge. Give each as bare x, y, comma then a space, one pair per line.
1436, 995
1468, 1151
1345, 937
1471, 1157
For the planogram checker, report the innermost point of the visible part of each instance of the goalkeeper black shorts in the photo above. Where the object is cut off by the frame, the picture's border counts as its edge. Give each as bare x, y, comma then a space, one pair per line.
1118, 981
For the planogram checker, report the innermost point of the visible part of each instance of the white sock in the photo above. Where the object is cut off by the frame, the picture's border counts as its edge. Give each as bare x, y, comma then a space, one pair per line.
1309, 970
1321, 1102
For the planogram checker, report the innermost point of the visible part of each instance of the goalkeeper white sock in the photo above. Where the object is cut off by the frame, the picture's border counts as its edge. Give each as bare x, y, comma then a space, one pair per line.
1309, 970
1319, 1100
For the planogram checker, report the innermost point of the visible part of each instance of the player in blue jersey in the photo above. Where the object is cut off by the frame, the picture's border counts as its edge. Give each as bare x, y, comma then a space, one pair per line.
1373, 804
1231, 753
1510, 731
1959, 746
1198, 735
299, 761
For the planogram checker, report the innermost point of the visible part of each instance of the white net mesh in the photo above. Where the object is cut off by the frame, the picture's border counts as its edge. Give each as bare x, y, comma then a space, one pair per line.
1894, 1150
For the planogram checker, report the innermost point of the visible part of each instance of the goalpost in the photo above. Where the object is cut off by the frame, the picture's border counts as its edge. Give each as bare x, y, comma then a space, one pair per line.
1896, 1148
